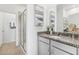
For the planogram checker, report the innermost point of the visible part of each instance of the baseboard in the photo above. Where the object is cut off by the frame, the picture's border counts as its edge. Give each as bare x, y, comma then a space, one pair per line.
8, 42
22, 49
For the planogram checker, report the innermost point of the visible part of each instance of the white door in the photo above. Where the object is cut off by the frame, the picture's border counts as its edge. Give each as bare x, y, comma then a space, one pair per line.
1, 29
9, 33
43, 48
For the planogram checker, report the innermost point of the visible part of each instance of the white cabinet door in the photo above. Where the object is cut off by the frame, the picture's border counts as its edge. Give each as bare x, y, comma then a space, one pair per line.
43, 48
55, 51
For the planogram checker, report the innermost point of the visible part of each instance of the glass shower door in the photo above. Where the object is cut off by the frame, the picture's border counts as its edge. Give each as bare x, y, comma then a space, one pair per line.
23, 30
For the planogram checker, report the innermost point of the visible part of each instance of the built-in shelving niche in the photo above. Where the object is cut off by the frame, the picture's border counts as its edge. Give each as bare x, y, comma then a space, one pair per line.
52, 18
39, 15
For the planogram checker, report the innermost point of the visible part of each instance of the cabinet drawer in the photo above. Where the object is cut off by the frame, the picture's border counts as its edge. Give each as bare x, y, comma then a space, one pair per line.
64, 47
55, 51
44, 40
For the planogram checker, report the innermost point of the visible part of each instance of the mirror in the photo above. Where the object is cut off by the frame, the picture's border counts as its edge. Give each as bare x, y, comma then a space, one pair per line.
65, 18
71, 18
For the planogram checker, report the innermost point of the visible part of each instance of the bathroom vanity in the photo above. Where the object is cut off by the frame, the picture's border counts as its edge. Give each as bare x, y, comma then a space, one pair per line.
58, 43
65, 41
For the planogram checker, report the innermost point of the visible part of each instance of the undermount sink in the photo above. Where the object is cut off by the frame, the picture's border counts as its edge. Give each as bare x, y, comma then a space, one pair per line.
55, 37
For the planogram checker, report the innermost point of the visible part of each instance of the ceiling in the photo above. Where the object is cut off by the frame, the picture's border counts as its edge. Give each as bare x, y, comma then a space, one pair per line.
68, 7
12, 8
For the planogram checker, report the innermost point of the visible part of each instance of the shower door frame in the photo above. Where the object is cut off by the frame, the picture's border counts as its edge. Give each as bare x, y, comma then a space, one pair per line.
23, 44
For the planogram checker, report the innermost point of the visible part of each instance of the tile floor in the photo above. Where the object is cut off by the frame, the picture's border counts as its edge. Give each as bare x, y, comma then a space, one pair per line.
10, 49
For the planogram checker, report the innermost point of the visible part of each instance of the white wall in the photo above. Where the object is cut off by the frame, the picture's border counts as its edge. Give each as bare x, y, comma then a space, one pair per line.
59, 18
31, 32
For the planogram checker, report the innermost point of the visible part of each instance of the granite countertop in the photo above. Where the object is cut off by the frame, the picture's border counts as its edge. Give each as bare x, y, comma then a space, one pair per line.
62, 39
